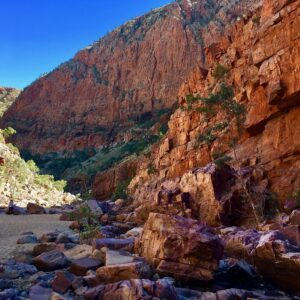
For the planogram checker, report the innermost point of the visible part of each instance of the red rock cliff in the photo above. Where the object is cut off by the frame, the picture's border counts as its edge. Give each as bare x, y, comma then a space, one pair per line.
135, 69
263, 57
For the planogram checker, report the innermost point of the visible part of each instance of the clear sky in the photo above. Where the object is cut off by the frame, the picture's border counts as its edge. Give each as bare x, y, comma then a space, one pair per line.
38, 35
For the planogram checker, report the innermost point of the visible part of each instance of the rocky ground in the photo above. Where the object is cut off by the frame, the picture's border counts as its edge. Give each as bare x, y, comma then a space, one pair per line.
11, 226
105, 255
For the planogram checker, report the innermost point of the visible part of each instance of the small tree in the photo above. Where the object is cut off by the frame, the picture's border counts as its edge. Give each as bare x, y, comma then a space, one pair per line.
7, 132
14, 173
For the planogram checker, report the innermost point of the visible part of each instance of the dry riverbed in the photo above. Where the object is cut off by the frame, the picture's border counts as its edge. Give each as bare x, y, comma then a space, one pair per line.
11, 227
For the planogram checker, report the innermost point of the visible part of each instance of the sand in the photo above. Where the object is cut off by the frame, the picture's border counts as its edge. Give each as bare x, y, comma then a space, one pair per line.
11, 227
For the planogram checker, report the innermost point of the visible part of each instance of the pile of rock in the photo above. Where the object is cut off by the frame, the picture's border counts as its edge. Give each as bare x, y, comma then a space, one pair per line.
133, 264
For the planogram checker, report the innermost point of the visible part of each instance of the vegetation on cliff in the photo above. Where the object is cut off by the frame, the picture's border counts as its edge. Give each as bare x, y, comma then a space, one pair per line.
21, 180
7, 98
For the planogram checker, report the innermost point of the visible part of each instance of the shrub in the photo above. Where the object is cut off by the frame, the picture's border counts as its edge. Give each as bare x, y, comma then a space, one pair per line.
121, 190
13, 148
7, 132
32, 166
151, 169
256, 20
271, 206
60, 185
220, 72
221, 159
207, 137
88, 222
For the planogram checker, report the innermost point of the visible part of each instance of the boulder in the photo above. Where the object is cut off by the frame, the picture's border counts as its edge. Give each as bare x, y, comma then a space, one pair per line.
274, 257
134, 232
295, 217
127, 271
80, 267
27, 239
13, 209
79, 252
114, 244
113, 257
62, 281
94, 207
133, 289
37, 292
62, 238
5, 284
49, 237
50, 261
46, 247
291, 233
35, 209
92, 280
181, 247
10, 294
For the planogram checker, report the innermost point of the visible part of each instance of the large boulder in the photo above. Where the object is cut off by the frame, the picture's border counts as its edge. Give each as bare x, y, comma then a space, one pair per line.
133, 270
50, 261
209, 193
133, 289
79, 252
81, 266
62, 281
114, 244
38, 292
181, 247
275, 258
35, 209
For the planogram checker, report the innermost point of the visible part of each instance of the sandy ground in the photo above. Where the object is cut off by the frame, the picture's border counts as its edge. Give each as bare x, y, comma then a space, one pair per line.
11, 227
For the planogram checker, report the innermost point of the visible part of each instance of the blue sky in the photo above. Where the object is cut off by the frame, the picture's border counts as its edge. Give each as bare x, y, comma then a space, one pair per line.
38, 35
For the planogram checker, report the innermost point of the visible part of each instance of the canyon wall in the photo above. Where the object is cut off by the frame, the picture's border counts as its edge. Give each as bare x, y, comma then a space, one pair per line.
137, 68
262, 54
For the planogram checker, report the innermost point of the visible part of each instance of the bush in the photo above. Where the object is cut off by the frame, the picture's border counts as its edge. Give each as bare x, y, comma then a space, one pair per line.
7, 132
151, 169
221, 159
88, 222
60, 185
220, 72
256, 20
32, 166
13, 148
121, 190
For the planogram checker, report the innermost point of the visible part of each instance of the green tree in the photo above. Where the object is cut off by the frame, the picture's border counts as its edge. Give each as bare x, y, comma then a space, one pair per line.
7, 132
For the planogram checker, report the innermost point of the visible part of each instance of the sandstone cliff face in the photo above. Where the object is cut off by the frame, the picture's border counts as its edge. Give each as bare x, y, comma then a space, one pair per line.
7, 97
264, 64
136, 68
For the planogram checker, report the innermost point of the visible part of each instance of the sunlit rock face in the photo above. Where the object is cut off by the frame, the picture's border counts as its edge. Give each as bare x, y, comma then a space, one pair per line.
262, 53
137, 68
7, 97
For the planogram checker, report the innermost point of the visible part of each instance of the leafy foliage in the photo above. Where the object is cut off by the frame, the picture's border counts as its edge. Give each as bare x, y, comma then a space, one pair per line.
256, 20
151, 169
220, 72
220, 159
88, 222
121, 190
16, 173
8, 132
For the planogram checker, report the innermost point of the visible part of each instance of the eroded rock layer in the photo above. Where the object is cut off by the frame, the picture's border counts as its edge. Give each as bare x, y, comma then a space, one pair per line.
135, 69
262, 54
